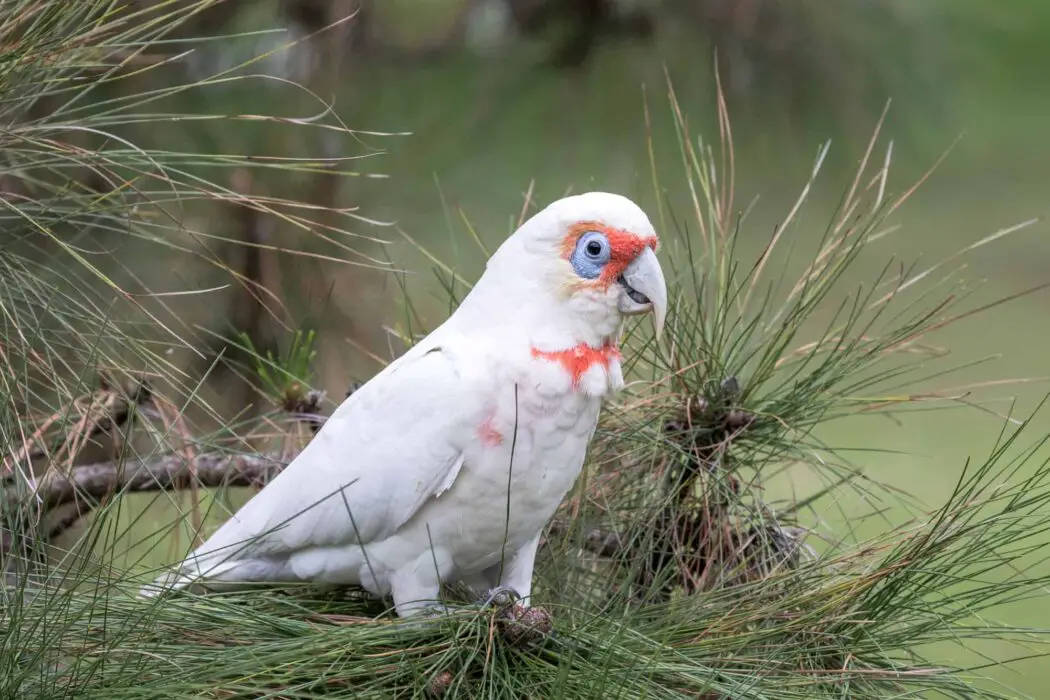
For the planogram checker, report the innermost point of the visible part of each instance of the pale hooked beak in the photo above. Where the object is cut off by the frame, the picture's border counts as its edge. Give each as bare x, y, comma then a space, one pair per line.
642, 289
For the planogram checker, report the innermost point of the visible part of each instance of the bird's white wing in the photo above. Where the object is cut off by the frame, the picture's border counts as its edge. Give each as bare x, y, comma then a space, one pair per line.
389, 447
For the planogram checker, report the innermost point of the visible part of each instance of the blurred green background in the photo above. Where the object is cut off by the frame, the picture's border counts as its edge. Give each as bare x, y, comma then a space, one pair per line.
497, 96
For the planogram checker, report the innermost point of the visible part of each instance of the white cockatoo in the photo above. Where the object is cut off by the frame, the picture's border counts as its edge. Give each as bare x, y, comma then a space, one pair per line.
447, 465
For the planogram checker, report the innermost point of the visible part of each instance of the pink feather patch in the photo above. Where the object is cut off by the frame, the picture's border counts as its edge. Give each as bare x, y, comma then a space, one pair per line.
487, 433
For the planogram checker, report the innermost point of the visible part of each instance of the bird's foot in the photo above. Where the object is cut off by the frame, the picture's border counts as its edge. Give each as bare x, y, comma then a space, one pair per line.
519, 624
500, 597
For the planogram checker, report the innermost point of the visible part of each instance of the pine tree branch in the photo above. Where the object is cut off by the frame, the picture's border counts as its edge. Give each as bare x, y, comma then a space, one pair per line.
87, 485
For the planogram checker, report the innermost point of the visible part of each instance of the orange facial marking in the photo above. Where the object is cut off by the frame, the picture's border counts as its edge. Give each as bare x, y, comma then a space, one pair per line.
624, 247
488, 435
577, 360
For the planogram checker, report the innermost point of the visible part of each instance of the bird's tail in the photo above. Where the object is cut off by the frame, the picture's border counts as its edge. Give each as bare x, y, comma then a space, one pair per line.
188, 577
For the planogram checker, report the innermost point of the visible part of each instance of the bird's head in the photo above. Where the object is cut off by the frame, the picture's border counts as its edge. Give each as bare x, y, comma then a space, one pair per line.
593, 255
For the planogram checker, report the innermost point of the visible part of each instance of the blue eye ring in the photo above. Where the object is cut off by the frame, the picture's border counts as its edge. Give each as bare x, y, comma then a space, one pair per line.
591, 254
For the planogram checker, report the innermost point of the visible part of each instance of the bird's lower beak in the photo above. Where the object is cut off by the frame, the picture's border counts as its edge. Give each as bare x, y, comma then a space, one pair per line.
642, 289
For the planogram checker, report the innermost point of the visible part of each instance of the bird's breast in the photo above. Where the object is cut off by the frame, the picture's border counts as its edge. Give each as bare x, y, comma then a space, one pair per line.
524, 451
529, 446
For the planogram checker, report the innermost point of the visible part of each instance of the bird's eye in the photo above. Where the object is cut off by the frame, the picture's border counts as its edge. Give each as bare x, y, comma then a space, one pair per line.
594, 245
591, 254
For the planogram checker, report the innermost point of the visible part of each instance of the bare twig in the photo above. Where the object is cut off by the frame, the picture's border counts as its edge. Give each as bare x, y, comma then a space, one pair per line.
120, 410
174, 423
89, 484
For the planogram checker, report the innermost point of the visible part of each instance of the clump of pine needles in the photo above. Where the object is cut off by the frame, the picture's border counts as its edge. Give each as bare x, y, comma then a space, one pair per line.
102, 362
670, 572
676, 508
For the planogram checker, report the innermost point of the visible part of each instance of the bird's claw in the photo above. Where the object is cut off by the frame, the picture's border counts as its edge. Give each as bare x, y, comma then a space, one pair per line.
499, 597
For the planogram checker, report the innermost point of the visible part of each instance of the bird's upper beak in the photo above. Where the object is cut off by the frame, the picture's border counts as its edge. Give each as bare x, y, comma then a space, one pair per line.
643, 289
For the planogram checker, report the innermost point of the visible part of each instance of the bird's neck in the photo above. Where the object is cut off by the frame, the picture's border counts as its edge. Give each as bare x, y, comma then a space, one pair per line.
593, 370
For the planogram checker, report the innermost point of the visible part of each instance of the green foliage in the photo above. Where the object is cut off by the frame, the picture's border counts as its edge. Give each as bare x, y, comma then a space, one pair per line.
284, 376
80, 200
78, 193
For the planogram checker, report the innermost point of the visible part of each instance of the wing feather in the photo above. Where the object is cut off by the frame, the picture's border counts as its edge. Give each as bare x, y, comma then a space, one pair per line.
392, 445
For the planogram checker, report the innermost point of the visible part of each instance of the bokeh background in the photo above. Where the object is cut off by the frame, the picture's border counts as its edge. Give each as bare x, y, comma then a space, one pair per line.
460, 107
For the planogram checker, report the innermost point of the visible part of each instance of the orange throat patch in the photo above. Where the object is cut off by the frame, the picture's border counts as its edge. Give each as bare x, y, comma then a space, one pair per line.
580, 358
